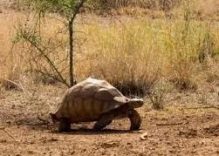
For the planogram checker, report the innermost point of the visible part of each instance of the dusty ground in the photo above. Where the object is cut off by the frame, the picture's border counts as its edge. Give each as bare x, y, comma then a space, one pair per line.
187, 126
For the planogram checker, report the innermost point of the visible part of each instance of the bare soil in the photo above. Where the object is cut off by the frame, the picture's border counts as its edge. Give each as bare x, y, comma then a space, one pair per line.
186, 126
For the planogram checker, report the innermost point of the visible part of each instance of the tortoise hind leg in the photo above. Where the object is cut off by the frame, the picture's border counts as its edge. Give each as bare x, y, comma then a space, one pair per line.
135, 119
64, 125
104, 120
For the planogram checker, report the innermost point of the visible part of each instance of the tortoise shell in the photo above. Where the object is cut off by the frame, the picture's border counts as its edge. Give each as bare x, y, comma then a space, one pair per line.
87, 100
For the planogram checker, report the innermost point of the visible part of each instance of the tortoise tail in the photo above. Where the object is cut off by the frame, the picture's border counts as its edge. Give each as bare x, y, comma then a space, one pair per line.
53, 117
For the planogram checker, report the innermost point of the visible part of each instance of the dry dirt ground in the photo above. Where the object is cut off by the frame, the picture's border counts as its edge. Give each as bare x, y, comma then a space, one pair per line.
189, 125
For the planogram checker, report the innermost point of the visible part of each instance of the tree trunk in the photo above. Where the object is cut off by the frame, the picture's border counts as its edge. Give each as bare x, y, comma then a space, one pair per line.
71, 53
71, 41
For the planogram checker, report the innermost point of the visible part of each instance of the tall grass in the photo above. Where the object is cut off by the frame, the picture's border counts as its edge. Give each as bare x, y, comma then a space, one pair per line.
141, 51
156, 4
130, 53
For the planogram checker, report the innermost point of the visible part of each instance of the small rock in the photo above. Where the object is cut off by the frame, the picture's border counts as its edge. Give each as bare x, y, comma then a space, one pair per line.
144, 136
53, 139
30, 152
3, 141
109, 144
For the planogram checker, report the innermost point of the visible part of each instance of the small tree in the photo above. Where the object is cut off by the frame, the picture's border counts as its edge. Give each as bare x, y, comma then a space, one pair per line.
68, 9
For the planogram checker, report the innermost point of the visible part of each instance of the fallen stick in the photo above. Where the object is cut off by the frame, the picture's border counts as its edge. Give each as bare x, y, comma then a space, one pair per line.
169, 124
16, 85
207, 107
44, 121
3, 129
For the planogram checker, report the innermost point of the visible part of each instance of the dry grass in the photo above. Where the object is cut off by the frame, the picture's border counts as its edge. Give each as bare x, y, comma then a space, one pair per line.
10, 63
155, 4
202, 9
125, 51
144, 50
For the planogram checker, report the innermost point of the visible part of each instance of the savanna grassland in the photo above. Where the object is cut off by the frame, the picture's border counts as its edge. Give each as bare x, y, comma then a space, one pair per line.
169, 49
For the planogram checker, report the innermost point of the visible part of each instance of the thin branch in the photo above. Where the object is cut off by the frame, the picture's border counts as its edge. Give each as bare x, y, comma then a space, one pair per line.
3, 129
77, 9
49, 75
206, 107
48, 60
169, 124
19, 86
44, 121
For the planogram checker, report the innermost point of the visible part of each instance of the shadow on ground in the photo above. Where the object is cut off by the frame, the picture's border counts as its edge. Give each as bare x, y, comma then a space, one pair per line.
40, 124
86, 131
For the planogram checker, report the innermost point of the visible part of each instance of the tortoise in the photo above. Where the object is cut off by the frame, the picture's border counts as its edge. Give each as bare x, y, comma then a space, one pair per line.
96, 100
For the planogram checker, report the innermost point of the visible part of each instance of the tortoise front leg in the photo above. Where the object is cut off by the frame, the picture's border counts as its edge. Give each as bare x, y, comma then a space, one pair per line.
104, 120
64, 125
135, 119
108, 117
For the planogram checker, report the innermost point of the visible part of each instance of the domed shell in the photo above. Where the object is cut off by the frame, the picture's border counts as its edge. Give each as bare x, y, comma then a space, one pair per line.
87, 100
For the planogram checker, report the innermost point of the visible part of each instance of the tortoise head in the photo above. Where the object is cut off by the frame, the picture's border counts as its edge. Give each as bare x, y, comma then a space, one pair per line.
133, 103
53, 117
136, 102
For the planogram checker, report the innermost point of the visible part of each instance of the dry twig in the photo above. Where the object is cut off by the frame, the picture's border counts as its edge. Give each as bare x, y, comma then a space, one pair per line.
3, 129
